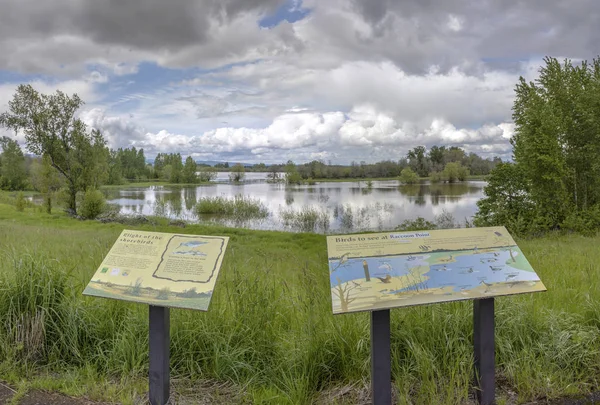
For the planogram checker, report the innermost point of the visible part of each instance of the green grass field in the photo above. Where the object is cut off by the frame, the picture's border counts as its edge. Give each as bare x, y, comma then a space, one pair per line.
269, 336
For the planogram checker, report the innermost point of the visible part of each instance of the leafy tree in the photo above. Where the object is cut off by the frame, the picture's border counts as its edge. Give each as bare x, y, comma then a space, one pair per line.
436, 156
454, 172
507, 200
291, 173
189, 171
557, 138
238, 173
207, 173
51, 128
407, 176
417, 158
13, 174
46, 180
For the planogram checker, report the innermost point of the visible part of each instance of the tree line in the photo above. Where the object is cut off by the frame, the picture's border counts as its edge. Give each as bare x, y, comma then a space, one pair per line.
554, 181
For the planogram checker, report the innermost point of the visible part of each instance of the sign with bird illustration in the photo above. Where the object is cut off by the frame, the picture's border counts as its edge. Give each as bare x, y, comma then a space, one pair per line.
162, 269
393, 269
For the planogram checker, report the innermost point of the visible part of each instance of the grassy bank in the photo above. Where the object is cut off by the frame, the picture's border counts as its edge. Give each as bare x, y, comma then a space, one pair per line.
269, 335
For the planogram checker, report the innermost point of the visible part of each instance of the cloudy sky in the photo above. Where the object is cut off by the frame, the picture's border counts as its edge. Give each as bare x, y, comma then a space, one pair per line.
272, 80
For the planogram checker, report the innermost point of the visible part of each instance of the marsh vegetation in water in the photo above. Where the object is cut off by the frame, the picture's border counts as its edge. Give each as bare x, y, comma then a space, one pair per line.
322, 208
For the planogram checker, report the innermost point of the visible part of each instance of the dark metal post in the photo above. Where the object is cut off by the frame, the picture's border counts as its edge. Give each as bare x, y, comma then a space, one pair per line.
483, 344
381, 365
159, 355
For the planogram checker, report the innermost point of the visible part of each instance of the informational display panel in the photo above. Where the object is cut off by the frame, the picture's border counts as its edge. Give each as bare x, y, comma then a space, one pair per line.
161, 269
384, 270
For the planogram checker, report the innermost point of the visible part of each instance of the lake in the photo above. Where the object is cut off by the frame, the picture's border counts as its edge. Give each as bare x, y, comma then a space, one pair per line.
341, 206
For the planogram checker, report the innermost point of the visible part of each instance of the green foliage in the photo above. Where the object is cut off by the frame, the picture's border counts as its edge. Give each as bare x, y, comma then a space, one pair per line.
408, 176
292, 176
20, 202
51, 128
306, 219
207, 174
556, 179
507, 201
417, 158
454, 172
239, 207
418, 224
13, 174
238, 173
93, 204
557, 138
189, 171
435, 177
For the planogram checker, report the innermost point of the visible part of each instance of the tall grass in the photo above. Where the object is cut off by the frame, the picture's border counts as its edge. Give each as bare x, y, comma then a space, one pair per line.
239, 207
269, 330
306, 219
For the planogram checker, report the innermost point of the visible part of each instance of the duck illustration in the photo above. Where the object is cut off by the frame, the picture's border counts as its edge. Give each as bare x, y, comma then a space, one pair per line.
495, 268
386, 279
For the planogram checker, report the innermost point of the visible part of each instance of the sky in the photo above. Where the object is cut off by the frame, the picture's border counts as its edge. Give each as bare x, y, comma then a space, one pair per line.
276, 80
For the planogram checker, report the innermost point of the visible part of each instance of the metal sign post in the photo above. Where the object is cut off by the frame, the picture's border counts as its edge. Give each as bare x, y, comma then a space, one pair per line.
159, 341
381, 365
484, 349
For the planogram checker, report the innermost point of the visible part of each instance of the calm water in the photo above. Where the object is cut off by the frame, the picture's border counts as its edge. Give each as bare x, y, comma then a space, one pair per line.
344, 205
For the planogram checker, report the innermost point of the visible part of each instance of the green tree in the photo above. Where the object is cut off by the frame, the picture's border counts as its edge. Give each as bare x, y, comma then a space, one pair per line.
13, 174
507, 200
238, 173
436, 156
51, 129
417, 159
453, 172
189, 171
46, 180
292, 176
176, 168
557, 138
408, 176
207, 173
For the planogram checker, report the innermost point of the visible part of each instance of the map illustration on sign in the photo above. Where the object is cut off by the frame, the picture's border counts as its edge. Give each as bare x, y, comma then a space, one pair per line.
162, 269
394, 269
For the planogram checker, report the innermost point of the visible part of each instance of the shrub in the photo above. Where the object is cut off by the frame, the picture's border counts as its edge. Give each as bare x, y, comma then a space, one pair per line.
20, 202
407, 176
92, 205
454, 172
435, 177
418, 224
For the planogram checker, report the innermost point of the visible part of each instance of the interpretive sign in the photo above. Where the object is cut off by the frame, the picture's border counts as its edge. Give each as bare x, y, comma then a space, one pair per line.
384, 270
161, 269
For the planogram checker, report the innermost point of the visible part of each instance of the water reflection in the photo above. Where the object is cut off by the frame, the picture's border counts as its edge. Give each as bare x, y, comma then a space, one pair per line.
341, 206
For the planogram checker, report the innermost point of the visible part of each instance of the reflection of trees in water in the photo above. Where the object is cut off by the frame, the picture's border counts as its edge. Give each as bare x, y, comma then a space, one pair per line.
439, 193
175, 202
190, 197
289, 197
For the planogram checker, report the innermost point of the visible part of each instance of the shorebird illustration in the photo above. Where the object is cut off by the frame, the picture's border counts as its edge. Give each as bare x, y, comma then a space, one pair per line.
192, 244
487, 286
387, 279
495, 268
